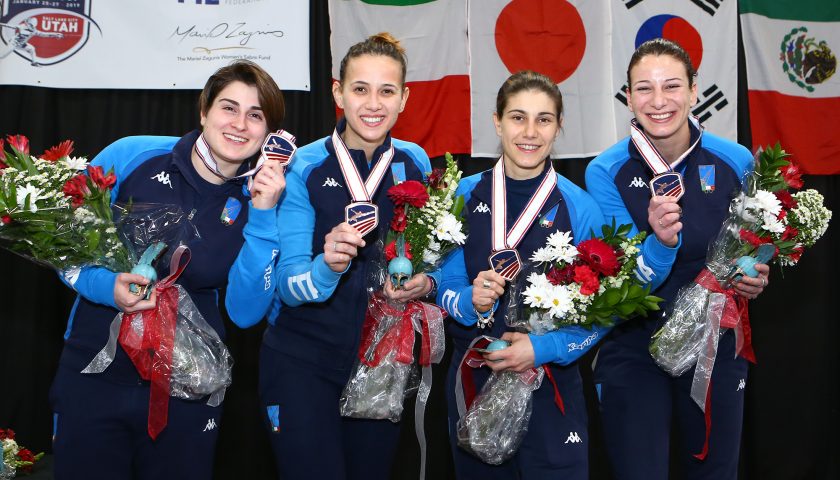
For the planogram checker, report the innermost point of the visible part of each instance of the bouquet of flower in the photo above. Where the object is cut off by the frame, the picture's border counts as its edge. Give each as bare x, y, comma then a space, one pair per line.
426, 224
53, 213
59, 217
16, 459
590, 284
765, 222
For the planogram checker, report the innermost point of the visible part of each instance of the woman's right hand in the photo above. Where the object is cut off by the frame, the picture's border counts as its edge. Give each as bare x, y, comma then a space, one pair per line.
664, 214
129, 302
341, 246
488, 286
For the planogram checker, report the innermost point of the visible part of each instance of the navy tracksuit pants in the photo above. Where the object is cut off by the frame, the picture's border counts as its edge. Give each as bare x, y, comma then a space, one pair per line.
555, 446
101, 432
309, 437
639, 401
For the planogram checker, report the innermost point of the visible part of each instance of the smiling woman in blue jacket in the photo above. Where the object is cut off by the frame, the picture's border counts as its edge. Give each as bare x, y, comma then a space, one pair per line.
528, 118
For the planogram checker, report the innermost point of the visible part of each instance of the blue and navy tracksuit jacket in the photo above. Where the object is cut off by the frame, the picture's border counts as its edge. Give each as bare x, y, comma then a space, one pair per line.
556, 442
157, 170
637, 399
314, 314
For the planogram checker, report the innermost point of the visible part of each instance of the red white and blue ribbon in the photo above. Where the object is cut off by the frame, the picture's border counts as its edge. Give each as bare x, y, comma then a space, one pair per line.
360, 191
658, 165
202, 149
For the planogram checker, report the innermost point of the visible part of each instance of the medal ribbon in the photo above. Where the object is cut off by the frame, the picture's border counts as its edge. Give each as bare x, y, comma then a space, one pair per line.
202, 148
502, 238
651, 155
361, 192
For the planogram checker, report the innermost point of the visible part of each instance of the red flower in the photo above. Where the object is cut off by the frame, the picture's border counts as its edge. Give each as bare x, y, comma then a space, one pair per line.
561, 276
19, 143
25, 455
391, 251
587, 279
436, 179
796, 254
2, 154
399, 222
753, 239
7, 434
6, 219
792, 175
786, 199
599, 256
63, 149
782, 214
100, 179
77, 189
789, 233
409, 192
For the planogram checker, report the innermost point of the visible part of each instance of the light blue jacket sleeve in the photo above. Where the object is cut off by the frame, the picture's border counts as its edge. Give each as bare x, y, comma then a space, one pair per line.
123, 156
252, 278
300, 278
567, 344
655, 259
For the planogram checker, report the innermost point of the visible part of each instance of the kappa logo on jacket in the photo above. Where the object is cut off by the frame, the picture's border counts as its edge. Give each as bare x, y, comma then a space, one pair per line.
211, 425
163, 178
573, 438
482, 208
742, 384
331, 182
637, 182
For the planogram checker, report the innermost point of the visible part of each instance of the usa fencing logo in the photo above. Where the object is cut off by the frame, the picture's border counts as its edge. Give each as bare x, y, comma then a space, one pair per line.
44, 32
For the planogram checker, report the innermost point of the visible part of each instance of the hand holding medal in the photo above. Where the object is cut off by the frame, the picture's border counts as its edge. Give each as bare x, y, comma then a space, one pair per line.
664, 215
270, 181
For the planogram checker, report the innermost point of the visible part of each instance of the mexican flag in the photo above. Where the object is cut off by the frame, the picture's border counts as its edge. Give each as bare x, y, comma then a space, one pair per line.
434, 34
791, 50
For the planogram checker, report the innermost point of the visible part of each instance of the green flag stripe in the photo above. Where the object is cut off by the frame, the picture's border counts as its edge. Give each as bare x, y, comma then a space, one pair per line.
397, 3
801, 10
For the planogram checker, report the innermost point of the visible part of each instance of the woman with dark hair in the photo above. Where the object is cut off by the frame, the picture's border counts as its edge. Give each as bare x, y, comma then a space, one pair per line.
692, 176
315, 292
528, 118
102, 427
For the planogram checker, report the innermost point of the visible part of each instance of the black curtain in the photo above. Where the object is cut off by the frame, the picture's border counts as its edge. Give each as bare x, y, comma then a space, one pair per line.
791, 409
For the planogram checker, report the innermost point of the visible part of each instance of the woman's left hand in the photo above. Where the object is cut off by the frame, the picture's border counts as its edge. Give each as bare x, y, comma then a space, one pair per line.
751, 287
416, 287
267, 185
518, 357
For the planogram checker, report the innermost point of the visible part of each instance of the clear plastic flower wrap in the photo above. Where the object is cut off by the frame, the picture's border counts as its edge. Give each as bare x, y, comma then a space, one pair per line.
517, 315
494, 425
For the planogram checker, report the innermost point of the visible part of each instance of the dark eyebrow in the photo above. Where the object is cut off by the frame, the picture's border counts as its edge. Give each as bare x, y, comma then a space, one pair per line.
516, 110
255, 107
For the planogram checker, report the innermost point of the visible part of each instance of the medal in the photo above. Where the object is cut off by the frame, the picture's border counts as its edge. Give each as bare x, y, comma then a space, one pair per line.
505, 259
362, 214
665, 180
280, 147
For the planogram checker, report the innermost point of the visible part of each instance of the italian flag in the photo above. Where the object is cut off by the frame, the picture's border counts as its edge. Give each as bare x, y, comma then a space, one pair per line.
434, 34
791, 50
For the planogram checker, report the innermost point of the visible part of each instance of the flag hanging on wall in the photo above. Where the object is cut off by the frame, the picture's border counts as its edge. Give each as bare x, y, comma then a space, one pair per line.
565, 40
794, 90
434, 34
707, 30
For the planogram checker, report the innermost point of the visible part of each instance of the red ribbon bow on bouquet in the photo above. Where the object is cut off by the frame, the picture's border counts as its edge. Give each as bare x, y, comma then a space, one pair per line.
151, 350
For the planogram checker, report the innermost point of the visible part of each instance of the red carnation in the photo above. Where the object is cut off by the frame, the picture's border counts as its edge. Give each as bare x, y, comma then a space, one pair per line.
436, 179
399, 222
77, 189
410, 192
561, 276
6, 219
391, 251
100, 179
786, 199
599, 256
63, 149
587, 279
7, 434
753, 239
19, 143
792, 175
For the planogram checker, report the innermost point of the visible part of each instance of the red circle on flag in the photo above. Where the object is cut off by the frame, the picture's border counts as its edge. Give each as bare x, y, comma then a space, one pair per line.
546, 36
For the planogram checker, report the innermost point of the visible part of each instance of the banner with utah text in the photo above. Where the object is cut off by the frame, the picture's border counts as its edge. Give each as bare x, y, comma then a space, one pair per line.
150, 44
